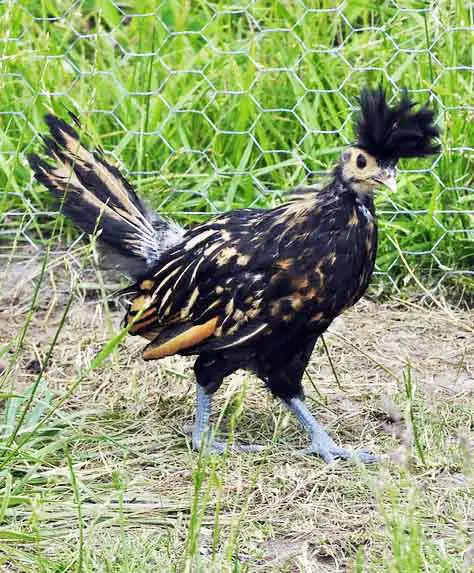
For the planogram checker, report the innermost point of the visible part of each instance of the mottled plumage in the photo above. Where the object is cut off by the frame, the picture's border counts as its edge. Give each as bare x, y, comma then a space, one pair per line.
251, 288
272, 278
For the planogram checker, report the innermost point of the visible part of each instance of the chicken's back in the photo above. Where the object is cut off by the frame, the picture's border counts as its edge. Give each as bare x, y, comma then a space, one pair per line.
258, 281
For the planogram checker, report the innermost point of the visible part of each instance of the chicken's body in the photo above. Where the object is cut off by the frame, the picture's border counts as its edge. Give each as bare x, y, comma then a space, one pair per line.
252, 288
274, 280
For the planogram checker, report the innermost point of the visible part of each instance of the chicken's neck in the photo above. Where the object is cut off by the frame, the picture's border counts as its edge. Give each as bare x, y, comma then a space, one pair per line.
364, 197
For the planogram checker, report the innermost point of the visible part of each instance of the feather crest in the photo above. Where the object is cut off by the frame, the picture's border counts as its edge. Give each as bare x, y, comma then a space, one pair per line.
389, 133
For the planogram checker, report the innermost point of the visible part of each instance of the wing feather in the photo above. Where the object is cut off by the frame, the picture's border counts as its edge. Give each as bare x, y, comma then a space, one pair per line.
219, 275
190, 336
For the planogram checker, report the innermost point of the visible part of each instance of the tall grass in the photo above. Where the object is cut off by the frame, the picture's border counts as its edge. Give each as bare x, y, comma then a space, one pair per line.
210, 106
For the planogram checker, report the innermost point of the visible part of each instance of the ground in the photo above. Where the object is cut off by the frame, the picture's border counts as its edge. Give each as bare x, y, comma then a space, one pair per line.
108, 482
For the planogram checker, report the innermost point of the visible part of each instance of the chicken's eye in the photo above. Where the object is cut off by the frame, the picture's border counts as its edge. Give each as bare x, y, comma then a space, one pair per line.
361, 161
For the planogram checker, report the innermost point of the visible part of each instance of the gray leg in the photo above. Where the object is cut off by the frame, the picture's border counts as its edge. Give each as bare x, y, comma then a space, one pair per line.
321, 443
201, 432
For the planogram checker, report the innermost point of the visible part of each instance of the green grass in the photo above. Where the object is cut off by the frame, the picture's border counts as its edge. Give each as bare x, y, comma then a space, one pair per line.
96, 472
209, 106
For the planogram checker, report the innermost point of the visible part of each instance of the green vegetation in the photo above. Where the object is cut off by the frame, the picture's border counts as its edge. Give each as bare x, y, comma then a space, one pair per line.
210, 105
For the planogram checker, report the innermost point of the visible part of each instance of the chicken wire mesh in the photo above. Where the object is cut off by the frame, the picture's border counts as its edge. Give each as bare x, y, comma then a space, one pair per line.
212, 105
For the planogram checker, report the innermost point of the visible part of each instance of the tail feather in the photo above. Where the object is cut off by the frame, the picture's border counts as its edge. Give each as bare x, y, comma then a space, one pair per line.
96, 196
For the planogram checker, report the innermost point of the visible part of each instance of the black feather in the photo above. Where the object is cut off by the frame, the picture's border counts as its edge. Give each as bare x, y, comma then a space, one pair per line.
389, 133
96, 196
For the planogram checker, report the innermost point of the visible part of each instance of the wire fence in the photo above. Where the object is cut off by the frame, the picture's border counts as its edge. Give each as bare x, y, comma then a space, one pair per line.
213, 105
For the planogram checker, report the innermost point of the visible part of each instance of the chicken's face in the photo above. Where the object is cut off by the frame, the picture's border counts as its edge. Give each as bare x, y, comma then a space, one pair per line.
364, 173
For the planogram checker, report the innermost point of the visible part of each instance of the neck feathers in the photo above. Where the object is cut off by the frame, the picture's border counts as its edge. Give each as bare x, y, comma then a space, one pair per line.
363, 193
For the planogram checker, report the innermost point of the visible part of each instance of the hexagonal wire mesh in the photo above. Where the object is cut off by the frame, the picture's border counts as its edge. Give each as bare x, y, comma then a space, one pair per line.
212, 105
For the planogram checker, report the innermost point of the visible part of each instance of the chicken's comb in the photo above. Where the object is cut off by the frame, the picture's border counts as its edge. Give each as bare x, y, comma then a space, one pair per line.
392, 132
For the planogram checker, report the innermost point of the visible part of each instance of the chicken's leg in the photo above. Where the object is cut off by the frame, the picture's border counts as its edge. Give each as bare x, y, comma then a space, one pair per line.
321, 443
202, 434
201, 430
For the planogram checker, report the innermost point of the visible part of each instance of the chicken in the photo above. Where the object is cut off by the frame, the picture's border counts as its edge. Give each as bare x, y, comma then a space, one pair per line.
251, 288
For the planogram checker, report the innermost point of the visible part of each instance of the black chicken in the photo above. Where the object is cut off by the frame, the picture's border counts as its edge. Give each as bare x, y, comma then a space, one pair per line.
251, 288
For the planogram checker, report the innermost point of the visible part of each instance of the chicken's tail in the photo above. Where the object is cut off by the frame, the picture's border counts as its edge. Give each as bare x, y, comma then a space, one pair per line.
96, 196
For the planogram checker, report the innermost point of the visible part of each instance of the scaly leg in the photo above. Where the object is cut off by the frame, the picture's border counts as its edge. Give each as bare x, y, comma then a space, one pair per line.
201, 432
321, 443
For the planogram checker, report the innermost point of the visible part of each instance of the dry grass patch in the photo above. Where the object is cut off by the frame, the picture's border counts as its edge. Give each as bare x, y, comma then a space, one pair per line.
108, 482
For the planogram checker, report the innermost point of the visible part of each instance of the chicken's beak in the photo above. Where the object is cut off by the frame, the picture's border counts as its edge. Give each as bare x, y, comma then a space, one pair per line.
387, 177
